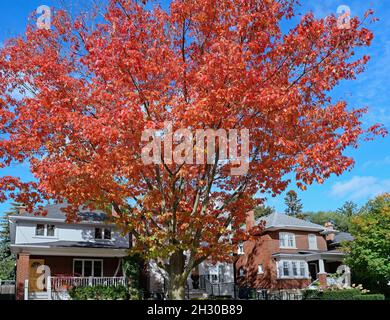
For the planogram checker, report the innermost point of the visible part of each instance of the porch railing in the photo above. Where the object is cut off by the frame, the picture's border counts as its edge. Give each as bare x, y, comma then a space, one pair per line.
64, 283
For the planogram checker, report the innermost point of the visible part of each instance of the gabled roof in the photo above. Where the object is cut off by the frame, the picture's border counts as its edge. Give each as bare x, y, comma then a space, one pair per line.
342, 236
54, 212
283, 221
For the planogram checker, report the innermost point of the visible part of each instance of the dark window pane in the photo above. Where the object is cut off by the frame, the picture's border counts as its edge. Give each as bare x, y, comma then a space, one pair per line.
107, 234
87, 268
50, 230
78, 268
97, 269
40, 230
98, 233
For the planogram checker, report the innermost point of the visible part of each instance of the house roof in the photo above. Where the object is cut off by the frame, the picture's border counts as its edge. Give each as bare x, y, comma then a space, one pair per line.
54, 212
343, 236
283, 221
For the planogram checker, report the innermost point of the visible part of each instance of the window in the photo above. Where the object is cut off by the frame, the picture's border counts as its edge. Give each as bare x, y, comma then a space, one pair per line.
287, 240
103, 234
302, 266
312, 242
242, 272
260, 269
87, 268
50, 230
40, 230
240, 249
292, 269
98, 233
45, 230
107, 234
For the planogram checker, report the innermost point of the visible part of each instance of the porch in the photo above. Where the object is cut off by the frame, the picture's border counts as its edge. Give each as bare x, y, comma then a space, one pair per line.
42, 277
57, 288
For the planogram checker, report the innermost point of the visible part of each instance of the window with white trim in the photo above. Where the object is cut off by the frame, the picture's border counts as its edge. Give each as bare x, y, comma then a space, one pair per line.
45, 230
312, 241
287, 240
240, 249
103, 233
87, 268
291, 269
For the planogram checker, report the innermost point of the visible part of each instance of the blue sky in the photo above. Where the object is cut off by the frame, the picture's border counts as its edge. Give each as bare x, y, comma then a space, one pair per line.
371, 174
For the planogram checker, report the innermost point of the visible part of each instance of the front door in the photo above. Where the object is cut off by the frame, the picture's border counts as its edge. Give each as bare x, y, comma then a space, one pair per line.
34, 276
313, 269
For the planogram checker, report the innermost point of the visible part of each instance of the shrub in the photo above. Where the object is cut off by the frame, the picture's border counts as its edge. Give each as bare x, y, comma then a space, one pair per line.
221, 298
370, 297
347, 294
99, 293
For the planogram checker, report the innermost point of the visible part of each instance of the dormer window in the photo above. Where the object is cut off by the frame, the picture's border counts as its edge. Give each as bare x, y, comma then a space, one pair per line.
40, 230
287, 240
45, 230
103, 234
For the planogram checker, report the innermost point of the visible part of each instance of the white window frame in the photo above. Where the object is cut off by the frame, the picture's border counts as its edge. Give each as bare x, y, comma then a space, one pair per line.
93, 266
45, 230
281, 266
240, 249
313, 245
103, 232
287, 240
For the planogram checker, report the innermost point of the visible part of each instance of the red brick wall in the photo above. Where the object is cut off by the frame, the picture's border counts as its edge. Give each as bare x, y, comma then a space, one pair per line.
64, 265
260, 250
22, 274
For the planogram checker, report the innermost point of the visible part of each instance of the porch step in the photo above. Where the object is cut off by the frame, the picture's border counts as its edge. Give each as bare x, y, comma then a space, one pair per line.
38, 296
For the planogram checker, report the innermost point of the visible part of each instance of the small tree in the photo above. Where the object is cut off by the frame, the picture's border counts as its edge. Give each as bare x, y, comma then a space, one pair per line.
348, 209
294, 206
369, 254
341, 221
263, 211
7, 265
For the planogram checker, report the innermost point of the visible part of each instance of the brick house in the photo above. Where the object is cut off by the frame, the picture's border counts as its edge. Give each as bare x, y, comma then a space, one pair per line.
89, 252
84, 253
288, 253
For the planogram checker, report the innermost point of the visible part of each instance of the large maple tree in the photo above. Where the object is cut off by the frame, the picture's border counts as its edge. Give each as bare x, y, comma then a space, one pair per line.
75, 99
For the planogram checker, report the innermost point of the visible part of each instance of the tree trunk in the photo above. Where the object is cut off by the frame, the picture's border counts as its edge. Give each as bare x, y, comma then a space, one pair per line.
177, 276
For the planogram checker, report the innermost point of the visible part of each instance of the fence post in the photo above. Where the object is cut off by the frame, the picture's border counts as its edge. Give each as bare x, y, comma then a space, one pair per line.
26, 289
48, 284
90, 282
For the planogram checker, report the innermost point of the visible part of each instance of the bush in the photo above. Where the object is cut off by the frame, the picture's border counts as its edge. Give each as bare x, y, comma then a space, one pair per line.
99, 293
346, 294
370, 297
221, 298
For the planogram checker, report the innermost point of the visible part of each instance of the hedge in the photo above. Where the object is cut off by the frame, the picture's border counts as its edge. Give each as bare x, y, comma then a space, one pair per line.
347, 294
370, 297
99, 293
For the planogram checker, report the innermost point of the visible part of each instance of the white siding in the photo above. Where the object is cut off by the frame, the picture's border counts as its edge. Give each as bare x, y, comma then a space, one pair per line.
25, 234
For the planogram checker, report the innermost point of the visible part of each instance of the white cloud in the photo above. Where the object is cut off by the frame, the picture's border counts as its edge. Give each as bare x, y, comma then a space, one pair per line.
360, 188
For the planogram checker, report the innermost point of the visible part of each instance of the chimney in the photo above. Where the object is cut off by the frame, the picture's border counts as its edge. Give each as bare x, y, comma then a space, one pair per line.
22, 209
250, 220
329, 231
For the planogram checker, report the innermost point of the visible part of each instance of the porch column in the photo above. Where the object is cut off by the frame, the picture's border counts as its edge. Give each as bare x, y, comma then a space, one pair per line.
22, 274
322, 275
